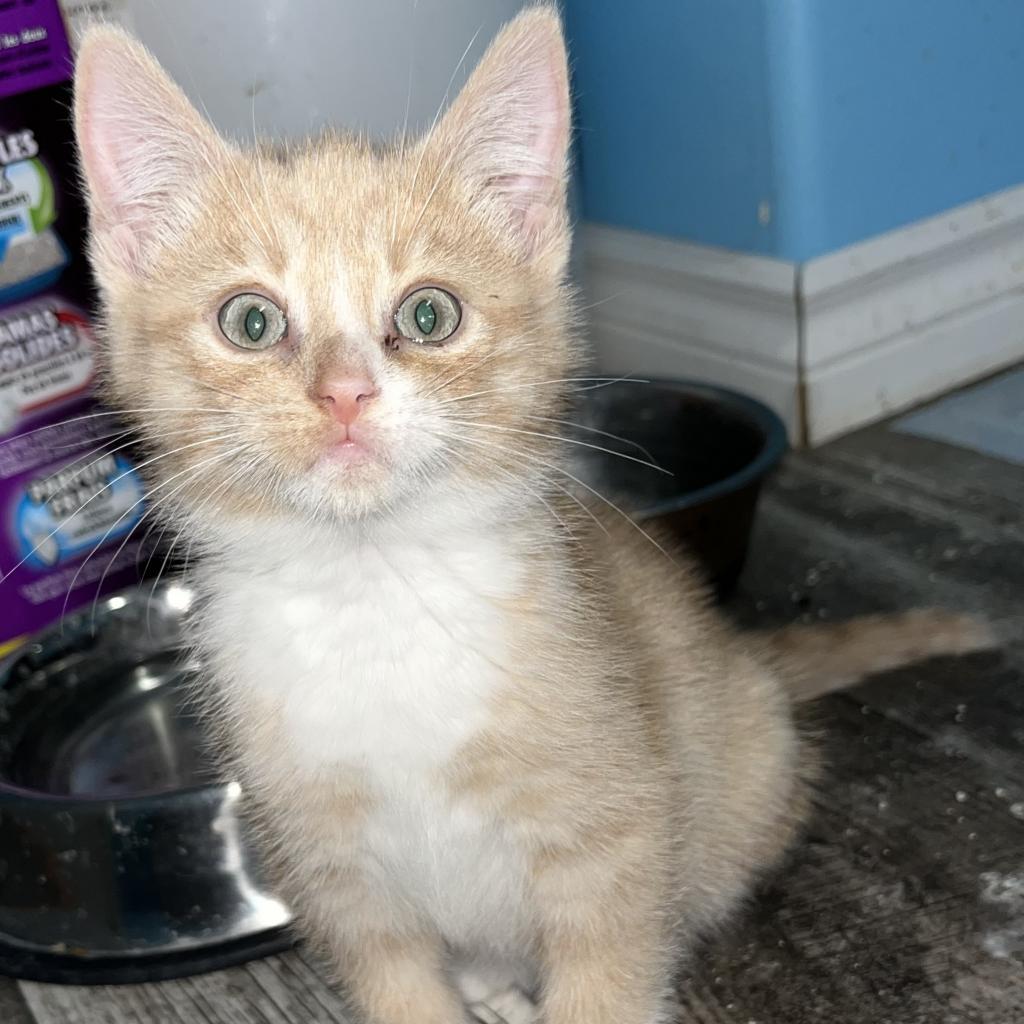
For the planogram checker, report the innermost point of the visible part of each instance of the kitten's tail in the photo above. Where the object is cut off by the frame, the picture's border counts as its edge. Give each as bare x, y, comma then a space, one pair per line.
815, 660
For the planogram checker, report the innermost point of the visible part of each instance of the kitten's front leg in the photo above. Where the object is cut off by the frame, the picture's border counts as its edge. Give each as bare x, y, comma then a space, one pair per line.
595, 979
607, 948
612, 984
390, 965
398, 979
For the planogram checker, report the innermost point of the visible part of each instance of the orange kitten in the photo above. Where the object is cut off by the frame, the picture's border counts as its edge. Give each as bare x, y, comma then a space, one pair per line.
498, 755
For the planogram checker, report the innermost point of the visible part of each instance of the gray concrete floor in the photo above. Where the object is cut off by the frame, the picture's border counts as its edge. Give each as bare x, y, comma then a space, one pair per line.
987, 418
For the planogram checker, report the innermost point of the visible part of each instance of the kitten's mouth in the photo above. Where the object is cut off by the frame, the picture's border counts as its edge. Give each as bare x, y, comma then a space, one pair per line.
347, 446
347, 451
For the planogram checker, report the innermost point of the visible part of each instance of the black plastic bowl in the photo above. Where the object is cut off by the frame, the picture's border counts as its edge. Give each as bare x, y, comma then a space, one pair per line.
718, 446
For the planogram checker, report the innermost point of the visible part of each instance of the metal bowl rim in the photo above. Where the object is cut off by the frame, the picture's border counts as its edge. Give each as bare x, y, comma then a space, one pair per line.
12, 795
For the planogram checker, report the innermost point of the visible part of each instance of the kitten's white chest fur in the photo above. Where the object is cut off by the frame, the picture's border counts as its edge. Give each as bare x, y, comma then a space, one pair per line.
385, 657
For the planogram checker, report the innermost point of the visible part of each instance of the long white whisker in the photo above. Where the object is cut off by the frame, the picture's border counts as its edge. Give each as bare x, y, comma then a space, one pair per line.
225, 186
593, 430
439, 382
101, 439
151, 510
404, 138
131, 508
442, 435
601, 302
117, 414
105, 487
522, 459
132, 441
595, 382
186, 523
156, 512
580, 483
442, 171
433, 124
566, 440
229, 394
244, 470
258, 158
106, 442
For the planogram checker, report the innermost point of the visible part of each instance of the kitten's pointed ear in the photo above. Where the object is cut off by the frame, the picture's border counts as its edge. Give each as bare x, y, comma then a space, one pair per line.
143, 148
509, 128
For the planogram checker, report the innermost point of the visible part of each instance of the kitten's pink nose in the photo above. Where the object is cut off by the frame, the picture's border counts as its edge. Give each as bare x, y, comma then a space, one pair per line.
345, 397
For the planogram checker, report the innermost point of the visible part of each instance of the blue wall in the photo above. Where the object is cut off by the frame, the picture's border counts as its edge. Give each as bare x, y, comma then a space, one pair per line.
847, 117
672, 138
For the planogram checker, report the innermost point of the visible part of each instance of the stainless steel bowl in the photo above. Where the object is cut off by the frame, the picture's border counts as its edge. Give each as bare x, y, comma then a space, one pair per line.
122, 855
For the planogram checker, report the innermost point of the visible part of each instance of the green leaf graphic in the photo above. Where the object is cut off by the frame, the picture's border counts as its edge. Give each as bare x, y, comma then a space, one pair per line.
45, 212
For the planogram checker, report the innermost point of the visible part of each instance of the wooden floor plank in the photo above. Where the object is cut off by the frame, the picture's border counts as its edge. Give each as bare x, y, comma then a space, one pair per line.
13, 1009
299, 990
278, 990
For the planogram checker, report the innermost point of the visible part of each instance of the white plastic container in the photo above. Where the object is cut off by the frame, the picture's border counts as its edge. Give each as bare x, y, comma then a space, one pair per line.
295, 66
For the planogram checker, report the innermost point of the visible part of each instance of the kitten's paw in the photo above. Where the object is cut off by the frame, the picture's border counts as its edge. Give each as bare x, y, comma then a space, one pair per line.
509, 1007
494, 994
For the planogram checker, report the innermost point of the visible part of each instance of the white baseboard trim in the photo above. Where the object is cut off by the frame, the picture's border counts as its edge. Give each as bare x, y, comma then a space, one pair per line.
913, 366
900, 318
622, 351
832, 344
667, 308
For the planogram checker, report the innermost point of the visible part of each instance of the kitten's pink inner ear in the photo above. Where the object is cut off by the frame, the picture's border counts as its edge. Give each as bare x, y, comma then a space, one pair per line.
143, 147
510, 127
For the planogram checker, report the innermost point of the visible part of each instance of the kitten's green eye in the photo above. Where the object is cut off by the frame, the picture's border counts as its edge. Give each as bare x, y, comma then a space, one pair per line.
252, 321
428, 315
